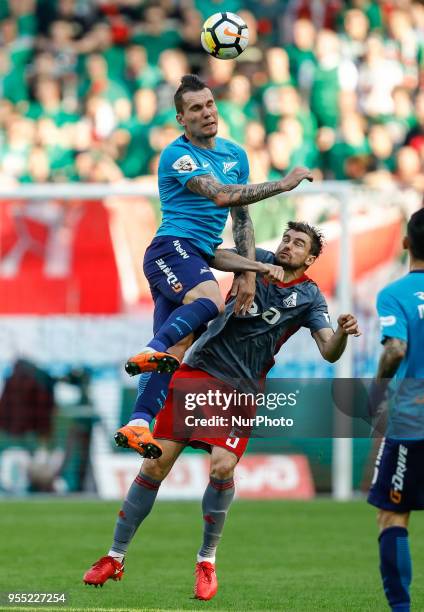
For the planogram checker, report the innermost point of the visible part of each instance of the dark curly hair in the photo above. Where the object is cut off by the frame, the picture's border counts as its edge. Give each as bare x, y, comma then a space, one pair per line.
316, 236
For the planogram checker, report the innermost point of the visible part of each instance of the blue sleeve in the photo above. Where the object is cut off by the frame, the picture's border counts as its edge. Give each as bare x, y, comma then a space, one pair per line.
177, 162
393, 322
317, 316
244, 167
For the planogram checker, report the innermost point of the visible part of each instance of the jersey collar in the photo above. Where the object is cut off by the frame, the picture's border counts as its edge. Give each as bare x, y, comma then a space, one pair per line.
296, 281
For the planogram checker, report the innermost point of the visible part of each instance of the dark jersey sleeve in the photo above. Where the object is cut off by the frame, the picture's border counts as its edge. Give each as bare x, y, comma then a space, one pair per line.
317, 316
264, 256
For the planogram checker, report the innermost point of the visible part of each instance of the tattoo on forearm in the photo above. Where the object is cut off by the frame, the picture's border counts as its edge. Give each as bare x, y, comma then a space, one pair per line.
234, 195
394, 350
243, 233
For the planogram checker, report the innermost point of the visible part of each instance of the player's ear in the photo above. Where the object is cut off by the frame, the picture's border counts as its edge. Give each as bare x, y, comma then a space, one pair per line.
180, 119
405, 243
310, 260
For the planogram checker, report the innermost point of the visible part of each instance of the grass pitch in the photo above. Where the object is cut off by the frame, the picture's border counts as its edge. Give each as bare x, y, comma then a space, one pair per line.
297, 556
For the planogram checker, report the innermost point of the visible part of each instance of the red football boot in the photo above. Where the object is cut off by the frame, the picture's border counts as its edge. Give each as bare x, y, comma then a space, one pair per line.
105, 568
152, 361
206, 584
140, 439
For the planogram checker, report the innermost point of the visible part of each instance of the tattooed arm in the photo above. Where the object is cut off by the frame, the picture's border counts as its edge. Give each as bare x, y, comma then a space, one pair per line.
240, 195
393, 353
244, 285
243, 233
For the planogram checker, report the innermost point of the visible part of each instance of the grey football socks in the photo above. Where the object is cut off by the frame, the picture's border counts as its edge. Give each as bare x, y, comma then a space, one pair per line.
139, 501
216, 502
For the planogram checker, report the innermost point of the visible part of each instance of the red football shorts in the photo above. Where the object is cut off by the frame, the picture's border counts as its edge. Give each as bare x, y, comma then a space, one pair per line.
164, 426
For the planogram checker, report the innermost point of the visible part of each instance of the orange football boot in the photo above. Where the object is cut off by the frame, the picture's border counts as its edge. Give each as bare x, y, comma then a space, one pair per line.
140, 439
152, 361
105, 568
206, 584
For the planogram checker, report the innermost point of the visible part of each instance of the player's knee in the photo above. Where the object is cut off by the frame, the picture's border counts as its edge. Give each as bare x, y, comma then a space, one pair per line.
217, 299
386, 518
224, 468
155, 469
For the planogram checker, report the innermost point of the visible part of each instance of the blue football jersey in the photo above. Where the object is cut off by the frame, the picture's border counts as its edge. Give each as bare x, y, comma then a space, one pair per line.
400, 307
184, 213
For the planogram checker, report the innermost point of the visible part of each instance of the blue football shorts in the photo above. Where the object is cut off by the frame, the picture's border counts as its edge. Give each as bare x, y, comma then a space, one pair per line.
172, 267
398, 481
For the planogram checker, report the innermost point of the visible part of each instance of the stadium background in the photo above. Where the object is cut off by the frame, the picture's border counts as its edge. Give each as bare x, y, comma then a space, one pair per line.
85, 110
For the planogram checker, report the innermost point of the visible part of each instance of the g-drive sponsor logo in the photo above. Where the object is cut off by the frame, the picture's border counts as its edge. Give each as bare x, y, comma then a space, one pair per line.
170, 276
399, 475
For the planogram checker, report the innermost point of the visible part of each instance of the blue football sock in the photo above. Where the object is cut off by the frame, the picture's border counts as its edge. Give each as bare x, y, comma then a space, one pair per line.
152, 392
395, 567
182, 321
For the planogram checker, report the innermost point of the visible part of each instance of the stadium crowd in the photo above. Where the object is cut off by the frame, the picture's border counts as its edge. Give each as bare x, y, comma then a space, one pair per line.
86, 87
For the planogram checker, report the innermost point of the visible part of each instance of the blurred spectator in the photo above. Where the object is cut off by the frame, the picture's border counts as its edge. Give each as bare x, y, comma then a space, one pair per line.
409, 168
356, 26
156, 33
257, 152
378, 76
139, 73
415, 137
382, 148
330, 76
350, 142
173, 65
301, 52
238, 107
27, 401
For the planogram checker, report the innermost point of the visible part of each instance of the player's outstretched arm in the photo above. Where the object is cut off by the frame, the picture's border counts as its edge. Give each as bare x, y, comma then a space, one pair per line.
228, 261
332, 344
240, 195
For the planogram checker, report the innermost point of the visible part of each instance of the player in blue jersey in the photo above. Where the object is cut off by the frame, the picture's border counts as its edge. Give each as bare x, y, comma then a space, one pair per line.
234, 348
201, 179
398, 482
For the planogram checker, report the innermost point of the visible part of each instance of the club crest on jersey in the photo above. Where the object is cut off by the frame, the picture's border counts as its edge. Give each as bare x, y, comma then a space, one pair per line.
291, 301
228, 165
185, 164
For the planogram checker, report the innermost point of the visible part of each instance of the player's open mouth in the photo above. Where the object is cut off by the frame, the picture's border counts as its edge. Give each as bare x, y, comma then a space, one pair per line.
209, 124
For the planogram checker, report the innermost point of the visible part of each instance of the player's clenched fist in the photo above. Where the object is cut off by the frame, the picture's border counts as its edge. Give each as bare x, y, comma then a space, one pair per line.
295, 177
274, 274
349, 324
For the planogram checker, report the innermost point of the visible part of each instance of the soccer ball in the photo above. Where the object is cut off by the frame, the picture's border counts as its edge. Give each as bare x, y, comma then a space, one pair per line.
224, 35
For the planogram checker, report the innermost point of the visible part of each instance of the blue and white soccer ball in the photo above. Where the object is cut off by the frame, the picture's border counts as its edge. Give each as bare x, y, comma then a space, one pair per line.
224, 35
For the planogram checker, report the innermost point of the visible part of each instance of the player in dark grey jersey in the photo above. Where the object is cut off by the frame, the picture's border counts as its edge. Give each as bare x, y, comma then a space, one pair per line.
235, 348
